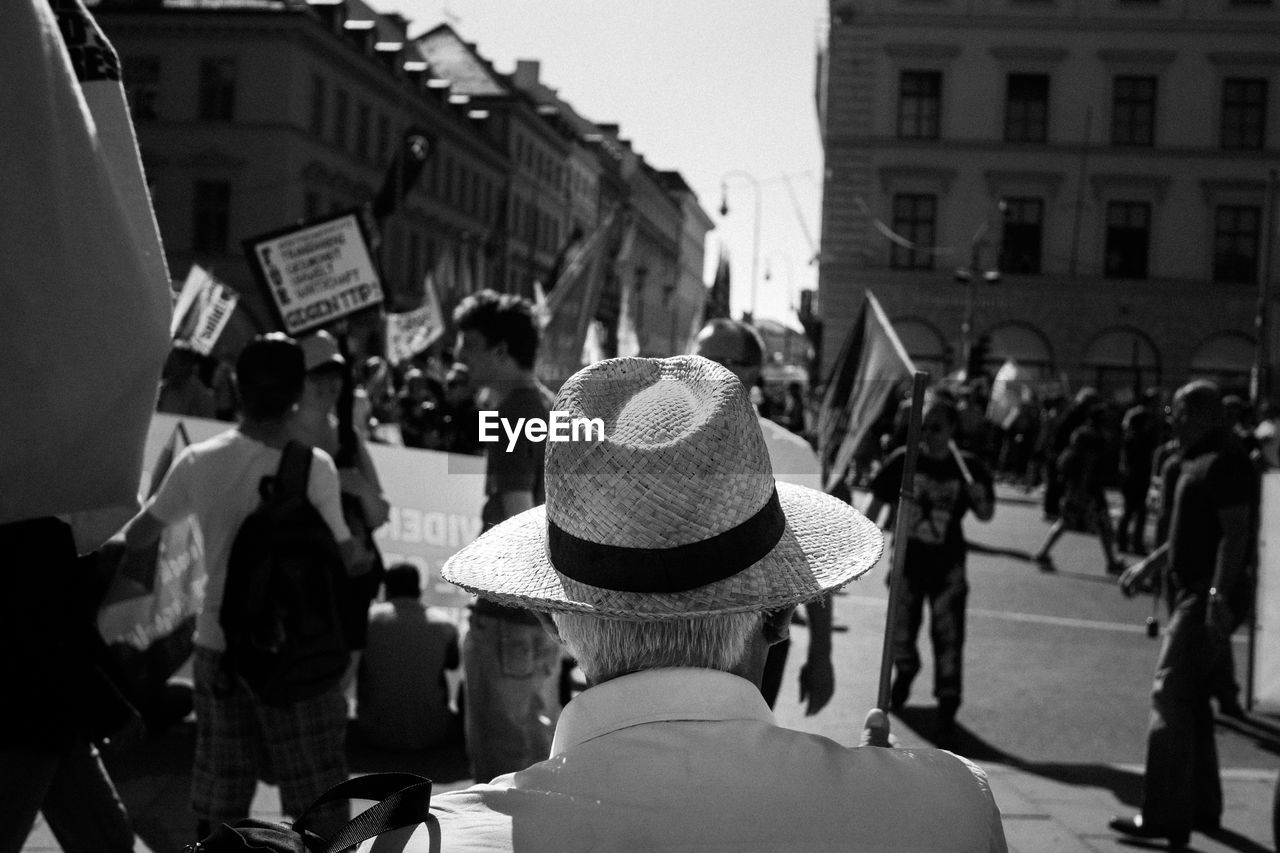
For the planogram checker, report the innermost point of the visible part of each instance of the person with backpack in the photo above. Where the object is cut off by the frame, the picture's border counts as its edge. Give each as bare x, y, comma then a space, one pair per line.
270, 653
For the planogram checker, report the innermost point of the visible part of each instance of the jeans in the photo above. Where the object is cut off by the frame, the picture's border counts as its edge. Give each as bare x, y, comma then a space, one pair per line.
508, 721
947, 593
73, 791
1181, 787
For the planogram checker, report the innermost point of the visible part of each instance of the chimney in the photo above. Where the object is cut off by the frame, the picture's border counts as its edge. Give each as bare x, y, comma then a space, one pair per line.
527, 73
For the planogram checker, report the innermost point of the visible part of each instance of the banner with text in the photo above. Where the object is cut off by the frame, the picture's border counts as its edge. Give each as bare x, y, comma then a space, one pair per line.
413, 331
316, 273
204, 308
435, 499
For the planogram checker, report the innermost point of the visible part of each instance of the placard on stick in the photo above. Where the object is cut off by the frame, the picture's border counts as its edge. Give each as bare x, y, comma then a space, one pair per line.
317, 272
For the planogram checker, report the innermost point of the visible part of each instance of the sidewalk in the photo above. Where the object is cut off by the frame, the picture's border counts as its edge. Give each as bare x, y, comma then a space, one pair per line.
1060, 807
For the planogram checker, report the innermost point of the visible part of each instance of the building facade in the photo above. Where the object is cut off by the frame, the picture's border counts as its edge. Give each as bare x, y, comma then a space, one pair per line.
1087, 184
253, 115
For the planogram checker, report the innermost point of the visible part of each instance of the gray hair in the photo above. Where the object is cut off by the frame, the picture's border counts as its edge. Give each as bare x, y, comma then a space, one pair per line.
608, 648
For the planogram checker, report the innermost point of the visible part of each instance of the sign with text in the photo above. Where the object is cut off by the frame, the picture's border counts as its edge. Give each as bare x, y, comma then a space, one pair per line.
316, 273
203, 310
413, 331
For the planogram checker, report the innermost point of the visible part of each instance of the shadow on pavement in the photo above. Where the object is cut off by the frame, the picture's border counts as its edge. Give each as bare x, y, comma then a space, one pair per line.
1124, 785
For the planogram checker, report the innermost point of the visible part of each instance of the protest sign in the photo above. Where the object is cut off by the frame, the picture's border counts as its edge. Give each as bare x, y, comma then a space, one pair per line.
435, 499
413, 331
317, 272
204, 308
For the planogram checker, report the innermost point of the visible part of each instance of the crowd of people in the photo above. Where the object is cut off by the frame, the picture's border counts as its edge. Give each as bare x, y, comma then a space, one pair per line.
624, 613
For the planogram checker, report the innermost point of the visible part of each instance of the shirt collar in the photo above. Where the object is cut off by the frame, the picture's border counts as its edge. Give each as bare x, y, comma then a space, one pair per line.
657, 695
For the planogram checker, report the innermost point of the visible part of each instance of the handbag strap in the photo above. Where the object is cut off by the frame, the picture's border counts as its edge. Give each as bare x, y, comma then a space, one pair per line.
404, 800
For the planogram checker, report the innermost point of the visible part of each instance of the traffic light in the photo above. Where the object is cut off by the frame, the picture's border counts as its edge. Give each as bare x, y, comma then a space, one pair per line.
979, 352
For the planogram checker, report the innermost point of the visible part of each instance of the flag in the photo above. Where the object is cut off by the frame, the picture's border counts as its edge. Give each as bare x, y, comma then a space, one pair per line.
871, 367
412, 332
86, 294
570, 306
204, 308
718, 295
416, 147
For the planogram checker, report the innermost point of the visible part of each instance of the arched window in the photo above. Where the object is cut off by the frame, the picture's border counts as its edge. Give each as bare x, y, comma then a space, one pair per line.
1121, 361
1226, 358
1023, 344
925, 344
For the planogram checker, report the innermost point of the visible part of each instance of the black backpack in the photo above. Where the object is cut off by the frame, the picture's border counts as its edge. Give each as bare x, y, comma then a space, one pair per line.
280, 609
405, 800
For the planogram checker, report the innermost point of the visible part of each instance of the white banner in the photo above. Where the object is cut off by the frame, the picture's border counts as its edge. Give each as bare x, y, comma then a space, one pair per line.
203, 311
435, 498
1266, 653
318, 272
413, 331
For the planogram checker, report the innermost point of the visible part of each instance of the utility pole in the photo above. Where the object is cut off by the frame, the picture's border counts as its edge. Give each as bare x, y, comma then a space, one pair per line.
1260, 380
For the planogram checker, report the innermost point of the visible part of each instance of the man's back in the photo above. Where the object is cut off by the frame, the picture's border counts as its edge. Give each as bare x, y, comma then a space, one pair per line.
690, 759
403, 697
218, 481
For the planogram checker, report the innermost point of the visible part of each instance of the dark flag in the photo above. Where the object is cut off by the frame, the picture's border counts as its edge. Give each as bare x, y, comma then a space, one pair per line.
871, 367
416, 147
718, 296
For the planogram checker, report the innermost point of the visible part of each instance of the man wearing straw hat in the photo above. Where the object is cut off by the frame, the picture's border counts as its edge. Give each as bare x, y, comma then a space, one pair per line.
667, 559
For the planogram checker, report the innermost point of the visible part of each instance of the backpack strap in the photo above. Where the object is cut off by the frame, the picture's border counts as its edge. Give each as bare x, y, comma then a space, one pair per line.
294, 470
405, 800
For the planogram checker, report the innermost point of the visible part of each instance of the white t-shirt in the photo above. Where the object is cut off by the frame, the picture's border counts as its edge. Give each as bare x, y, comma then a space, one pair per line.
217, 482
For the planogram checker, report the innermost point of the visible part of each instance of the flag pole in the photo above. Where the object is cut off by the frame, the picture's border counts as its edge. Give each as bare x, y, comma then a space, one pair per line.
906, 496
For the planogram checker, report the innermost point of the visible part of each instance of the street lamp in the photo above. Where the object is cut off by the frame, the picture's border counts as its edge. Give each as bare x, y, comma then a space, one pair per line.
968, 275
755, 244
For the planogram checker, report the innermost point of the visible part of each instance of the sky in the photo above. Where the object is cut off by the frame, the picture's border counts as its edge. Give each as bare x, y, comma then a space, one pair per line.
705, 87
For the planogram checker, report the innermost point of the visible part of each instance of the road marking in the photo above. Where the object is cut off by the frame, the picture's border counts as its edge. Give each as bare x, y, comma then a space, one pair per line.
1037, 618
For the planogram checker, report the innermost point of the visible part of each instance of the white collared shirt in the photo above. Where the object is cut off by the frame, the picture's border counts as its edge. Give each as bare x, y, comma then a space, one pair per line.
691, 759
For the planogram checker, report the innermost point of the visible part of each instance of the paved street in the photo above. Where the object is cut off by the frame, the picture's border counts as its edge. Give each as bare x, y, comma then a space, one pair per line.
1055, 707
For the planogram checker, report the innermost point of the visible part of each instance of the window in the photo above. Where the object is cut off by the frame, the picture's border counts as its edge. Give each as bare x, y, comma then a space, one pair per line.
340, 119
363, 120
1021, 238
1128, 235
1244, 112
142, 86
914, 219
1236, 229
316, 124
1026, 114
919, 104
217, 89
384, 142
1133, 111
210, 227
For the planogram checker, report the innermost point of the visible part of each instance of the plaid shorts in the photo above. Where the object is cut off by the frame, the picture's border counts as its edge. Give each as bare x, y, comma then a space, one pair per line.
300, 747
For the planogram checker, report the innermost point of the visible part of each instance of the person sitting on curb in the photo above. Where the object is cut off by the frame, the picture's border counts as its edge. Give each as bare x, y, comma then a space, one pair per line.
667, 559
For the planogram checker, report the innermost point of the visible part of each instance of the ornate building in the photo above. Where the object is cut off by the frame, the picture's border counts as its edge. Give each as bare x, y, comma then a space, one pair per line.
1086, 185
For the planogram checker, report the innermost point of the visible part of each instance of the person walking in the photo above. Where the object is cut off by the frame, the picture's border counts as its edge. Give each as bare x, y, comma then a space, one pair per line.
1209, 538
948, 484
1139, 439
1083, 506
240, 738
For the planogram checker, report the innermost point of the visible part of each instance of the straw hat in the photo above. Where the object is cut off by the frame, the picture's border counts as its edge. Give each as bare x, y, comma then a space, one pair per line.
675, 513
